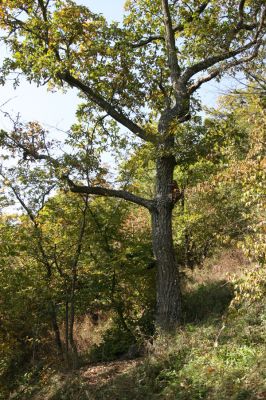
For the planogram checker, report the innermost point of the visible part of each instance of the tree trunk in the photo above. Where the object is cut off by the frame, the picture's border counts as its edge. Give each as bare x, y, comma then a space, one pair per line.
67, 328
56, 330
168, 280
72, 342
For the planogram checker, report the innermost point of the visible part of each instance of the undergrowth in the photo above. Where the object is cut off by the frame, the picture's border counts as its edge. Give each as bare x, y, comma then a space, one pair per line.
218, 354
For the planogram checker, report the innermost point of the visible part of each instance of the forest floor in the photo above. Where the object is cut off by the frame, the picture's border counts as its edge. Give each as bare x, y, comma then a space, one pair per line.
90, 379
103, 373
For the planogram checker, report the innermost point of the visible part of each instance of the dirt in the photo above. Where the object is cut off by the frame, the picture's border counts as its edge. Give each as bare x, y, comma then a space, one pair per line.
103, 373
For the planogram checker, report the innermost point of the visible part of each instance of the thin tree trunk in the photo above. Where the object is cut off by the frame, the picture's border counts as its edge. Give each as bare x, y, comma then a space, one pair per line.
67, 328
116, 304
74, 277
168, 280
56, 330
74, 350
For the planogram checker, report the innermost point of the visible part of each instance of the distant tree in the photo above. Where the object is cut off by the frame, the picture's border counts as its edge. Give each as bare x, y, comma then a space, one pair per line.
142, 75
247, 110
24, 306
52, 231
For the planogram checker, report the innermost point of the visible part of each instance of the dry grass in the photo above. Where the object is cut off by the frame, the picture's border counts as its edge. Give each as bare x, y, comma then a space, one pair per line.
88, 333
220, 267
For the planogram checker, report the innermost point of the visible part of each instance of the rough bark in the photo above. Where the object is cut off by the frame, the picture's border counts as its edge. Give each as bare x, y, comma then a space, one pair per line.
168, 280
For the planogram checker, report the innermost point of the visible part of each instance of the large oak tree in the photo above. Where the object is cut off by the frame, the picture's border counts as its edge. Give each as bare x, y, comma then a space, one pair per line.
143, 76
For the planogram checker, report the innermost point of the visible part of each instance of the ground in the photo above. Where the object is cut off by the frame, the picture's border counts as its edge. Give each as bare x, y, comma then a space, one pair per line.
218, 354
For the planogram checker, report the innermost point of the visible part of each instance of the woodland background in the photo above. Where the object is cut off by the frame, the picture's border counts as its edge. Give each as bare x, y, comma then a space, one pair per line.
78, 275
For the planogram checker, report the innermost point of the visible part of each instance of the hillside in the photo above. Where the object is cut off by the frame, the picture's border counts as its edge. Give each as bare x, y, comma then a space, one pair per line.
218, 354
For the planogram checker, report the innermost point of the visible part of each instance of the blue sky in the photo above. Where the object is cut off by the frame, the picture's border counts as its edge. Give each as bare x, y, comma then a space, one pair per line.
111, 9
51, 109
58, 109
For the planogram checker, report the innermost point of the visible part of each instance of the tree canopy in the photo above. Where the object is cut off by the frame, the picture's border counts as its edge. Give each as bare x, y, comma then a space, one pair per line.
142, 76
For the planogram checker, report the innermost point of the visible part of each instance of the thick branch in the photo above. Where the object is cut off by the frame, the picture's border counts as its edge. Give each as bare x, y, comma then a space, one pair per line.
217, 71
241, 11
43, 8
211, 61
119, 116
94, 190
106, 192
170, 45
241, 25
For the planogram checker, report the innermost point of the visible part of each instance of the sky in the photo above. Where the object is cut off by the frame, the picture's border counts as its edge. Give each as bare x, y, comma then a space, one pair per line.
36, 103
57, 110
